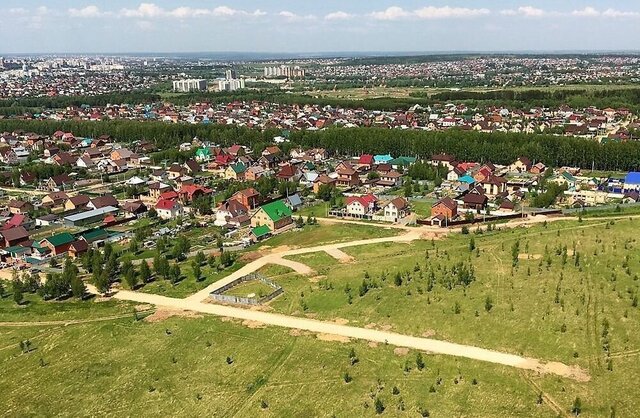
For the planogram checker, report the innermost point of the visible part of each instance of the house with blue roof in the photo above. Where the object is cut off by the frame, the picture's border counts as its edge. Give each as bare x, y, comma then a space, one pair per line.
632, 181
382, 159
467, 179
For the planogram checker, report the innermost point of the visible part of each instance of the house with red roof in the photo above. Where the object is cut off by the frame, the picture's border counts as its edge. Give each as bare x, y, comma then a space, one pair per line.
361, 206
189, 192
366, 160
168, 209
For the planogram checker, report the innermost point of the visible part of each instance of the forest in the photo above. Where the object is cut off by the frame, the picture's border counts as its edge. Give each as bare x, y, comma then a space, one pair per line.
499, 148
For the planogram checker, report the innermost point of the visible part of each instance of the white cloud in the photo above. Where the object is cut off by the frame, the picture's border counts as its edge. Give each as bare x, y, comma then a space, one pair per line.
617, 13
449, 12
527, 11
145, 10
292, 17
153, 11
85, 12
16, 11
338, 16
429, 12
610, 13
391, 13
586, 12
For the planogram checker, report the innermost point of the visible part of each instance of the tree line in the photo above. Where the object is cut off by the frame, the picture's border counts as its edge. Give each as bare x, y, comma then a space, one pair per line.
499, 148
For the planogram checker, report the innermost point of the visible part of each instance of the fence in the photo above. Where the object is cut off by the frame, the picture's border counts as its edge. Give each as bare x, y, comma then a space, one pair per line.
220, 297
488, 218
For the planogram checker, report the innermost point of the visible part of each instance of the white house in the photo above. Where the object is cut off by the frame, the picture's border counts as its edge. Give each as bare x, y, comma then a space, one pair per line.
169, 209
396, 209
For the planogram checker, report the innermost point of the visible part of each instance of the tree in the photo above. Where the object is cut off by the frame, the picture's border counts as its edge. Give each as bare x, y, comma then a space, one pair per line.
488, 304
103, 282
299, 222
576, 408
145, 272
175, 274
408, 189
78, 288
197, 270
18, 297
2, 290
472, 244
397, 280
378, 405
200, 258
419, 361
134, 247
130, 276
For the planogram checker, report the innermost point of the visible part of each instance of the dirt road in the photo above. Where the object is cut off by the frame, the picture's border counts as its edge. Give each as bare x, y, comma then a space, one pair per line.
320, 327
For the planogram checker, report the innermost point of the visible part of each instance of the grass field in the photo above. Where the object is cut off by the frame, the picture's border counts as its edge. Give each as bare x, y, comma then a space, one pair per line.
578, 306
178, 367
313, 235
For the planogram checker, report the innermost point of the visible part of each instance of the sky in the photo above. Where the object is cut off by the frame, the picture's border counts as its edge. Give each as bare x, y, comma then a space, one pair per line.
128, 26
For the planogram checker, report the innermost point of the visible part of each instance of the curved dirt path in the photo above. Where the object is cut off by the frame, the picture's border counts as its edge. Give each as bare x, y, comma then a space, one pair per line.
330, 328
277, 258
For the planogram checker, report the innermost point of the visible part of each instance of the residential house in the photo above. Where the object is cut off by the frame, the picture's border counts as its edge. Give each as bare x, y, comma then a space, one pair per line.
157, 188
168, 209
175, 171
253, 173
521, 165
235, 172
494, 185
103, 201
361, 206
396, 209
390, 179
76, 202
447, 208
249, 198
347, 175
445, 160
59, 182
321, 180
473, 200
58, 244
13, 236
188, 193
55, 199
135, 208
276, 215
20, 207
231, 212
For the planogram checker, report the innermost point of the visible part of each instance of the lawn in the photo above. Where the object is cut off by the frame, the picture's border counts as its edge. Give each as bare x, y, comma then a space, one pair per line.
178, 367
313, 235
422, 207
253, 288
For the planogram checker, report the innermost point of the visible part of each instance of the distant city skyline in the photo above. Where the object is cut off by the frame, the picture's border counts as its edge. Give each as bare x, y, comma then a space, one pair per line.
125, 26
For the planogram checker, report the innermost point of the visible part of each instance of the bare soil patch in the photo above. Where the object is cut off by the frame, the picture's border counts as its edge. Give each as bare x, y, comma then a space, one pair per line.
162, 314
331, 337
401, 351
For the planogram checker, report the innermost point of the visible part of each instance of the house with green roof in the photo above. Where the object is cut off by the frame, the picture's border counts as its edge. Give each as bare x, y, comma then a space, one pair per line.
59, 243
92, 235
260, 232
203, 155
276, 215
402, 162
235, 171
